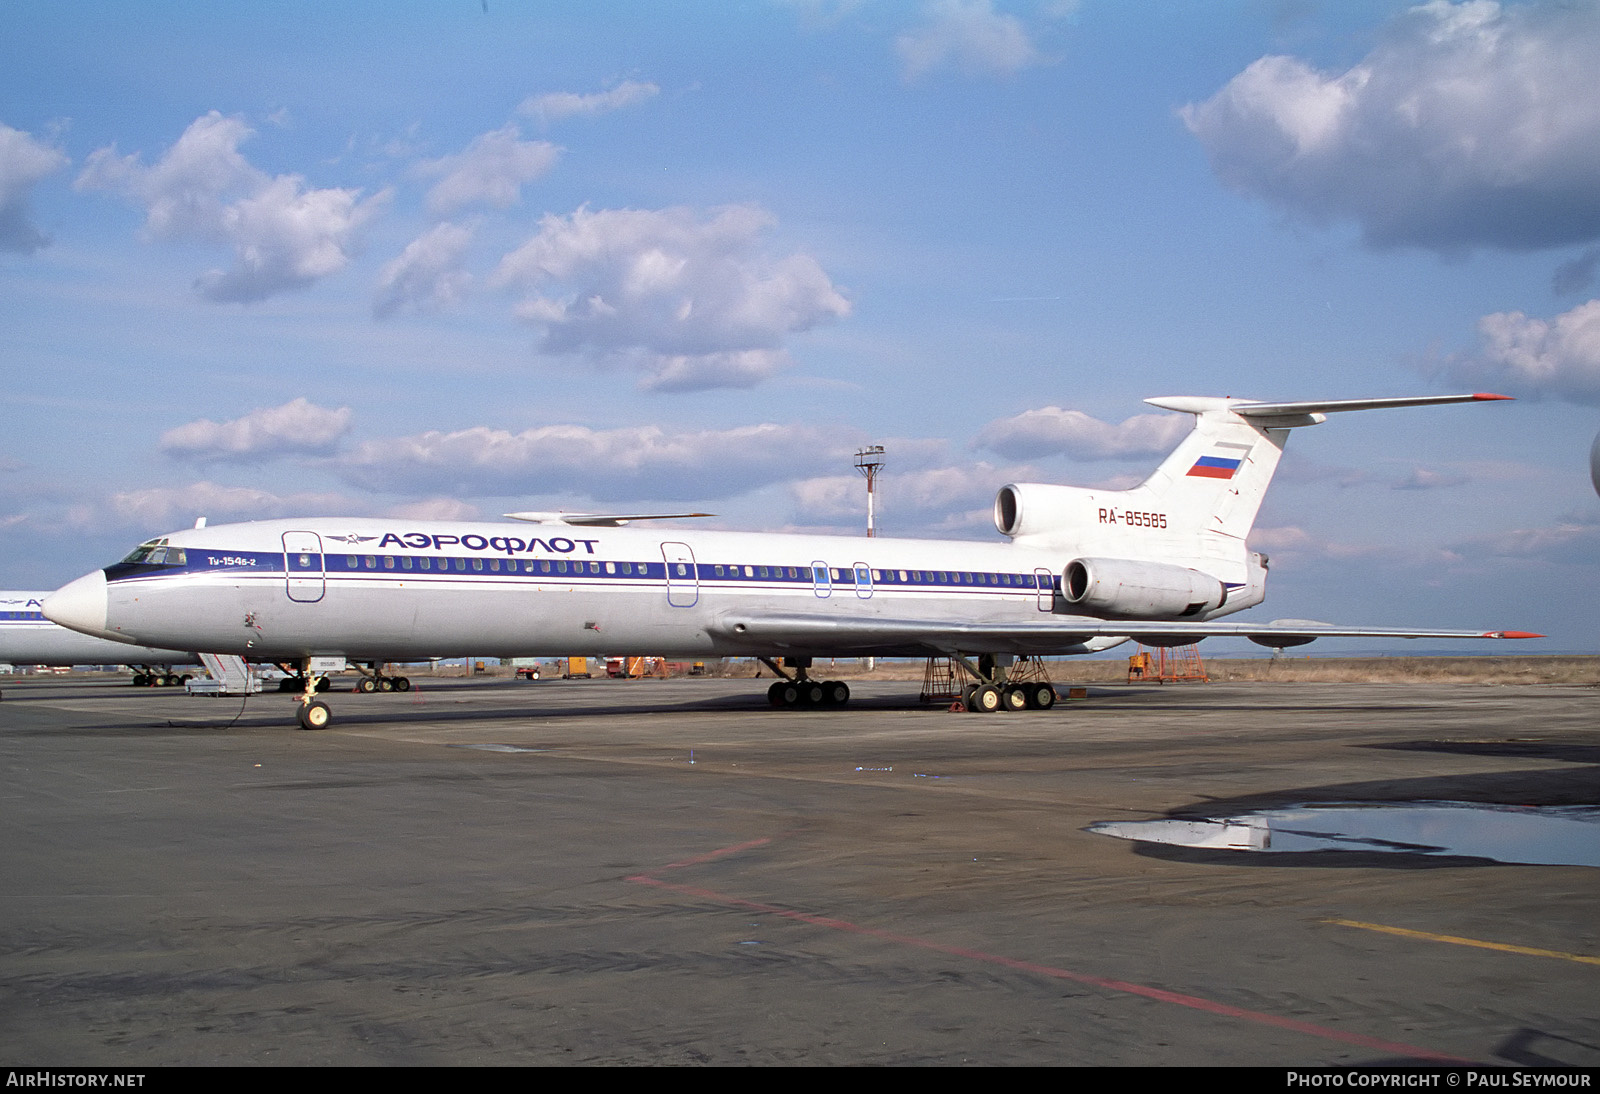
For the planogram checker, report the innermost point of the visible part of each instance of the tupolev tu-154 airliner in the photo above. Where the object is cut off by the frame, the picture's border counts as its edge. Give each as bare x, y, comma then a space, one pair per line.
1084, 570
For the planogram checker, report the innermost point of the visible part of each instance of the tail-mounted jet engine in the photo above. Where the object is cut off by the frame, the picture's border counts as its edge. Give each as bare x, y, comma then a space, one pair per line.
1029, 508
1124, 589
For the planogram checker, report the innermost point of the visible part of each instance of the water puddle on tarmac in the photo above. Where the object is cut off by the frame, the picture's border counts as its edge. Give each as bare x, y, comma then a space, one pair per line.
1542, 835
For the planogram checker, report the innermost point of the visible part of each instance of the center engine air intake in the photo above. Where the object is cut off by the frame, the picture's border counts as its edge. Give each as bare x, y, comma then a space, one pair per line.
1031, 508
1125, 589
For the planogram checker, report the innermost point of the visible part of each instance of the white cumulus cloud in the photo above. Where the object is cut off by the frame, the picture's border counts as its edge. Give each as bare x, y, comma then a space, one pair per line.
693, 303
1571, 540
1468, 124
574, 461
969, 36
1426, 478
283, 235
23, 162
950, 499
162, 508
1555, 358
427, 274
492, 171
297, 428
1051, 430
557, 105
436, 509
1286, 538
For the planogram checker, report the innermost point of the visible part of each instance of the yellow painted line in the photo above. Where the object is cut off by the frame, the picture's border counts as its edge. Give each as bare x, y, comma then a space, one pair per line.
1529, 951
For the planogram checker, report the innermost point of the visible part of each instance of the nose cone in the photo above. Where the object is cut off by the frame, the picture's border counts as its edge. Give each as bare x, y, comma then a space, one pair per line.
81, 606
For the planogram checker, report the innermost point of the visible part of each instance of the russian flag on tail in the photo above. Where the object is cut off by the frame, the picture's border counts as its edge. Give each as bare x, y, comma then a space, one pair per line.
1214, 467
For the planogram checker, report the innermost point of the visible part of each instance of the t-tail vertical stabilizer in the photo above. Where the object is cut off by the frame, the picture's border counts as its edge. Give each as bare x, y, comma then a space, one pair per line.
1179, 537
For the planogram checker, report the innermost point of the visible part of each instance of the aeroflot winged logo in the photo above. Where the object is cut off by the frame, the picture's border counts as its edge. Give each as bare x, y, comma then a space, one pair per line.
1222, 462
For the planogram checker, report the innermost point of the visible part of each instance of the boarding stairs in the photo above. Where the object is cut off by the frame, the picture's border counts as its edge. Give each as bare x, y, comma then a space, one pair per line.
229, 676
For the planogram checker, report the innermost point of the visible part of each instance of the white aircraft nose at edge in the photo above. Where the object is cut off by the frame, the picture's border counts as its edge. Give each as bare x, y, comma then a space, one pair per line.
1083, 570
28, 638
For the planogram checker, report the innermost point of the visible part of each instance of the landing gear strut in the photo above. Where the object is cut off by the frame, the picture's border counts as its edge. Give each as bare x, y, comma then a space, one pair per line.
296, 679
313, 713
800, 691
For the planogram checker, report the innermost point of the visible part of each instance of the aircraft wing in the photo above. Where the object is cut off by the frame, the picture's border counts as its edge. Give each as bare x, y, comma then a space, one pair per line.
597, 520
879, 636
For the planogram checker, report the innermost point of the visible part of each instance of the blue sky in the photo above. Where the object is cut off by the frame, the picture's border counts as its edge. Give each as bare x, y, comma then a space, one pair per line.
454, 259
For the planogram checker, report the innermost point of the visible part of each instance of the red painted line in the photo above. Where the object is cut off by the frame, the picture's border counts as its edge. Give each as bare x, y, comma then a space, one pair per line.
1161, 995
709, 856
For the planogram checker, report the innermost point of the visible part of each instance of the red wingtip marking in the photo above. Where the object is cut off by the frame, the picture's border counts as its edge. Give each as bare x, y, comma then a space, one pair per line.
1484, 395
1512, 634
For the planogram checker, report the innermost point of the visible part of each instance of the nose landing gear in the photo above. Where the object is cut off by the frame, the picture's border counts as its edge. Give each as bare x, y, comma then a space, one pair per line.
312, 712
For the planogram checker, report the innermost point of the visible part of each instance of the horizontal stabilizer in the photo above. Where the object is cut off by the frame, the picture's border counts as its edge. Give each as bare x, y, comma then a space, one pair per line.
597, 520
1331, 406
1306, 412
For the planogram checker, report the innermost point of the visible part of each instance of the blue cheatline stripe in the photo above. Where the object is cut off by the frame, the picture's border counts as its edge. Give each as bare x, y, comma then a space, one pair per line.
311, 566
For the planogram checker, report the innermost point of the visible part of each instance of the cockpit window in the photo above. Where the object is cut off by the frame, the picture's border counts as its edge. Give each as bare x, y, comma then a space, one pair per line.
155, 553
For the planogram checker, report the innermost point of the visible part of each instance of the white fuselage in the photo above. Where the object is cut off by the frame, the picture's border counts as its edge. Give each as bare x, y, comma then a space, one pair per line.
396, 590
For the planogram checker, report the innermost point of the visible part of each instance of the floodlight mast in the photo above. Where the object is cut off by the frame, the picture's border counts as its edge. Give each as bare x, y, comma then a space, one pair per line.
869, 461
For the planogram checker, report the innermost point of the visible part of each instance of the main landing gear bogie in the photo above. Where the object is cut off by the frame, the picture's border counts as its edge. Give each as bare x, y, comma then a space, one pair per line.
989, 698
160, 679
373, 679
1004, 684
800, 692
808, 694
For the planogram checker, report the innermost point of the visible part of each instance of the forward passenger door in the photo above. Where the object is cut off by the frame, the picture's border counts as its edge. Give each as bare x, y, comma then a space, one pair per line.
303, 571
683, 582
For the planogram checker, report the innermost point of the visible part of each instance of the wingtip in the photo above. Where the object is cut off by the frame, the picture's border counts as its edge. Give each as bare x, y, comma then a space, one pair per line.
1487, 396
1512, 634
